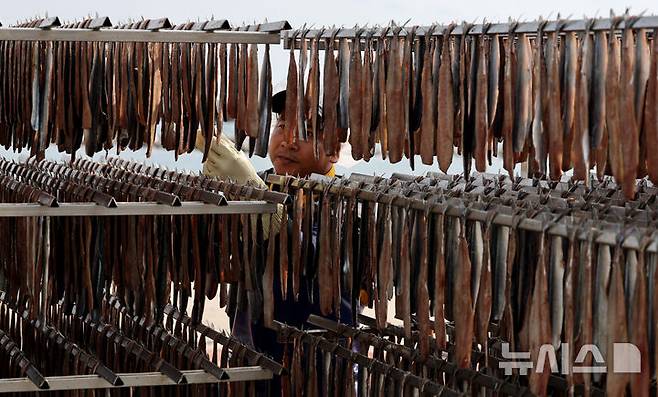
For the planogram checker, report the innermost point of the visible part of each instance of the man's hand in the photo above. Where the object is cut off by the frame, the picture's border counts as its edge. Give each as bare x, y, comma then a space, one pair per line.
226, 162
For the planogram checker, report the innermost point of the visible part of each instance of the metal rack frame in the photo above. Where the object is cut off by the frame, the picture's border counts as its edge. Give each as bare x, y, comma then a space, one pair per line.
456, 207
15, 210
157, 30
139, 379
531, 27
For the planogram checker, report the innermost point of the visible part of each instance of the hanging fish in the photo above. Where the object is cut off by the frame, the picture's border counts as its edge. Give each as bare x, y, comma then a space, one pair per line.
580, 153
232, 98
301, 104
252, 109
344, 61
539, 320
394, 109
616, 382
641, 73
313, 92
494, 91
264, 105
639, 321
463, 304
631, 142
409, 143
651, 114
597, 100
379, 79
508, 104
367, 140
538, 91
481, 108
439, 267
553, 113
330, 100
522, 93
613, 111
427, 114
355, 103
290, 111
569, 74
445, 101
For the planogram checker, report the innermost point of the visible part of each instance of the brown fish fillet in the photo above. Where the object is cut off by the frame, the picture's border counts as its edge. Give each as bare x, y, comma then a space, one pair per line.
382, 129
445, 107
615, 129
463, 305
422, 293
630, 142
587, 304
651, 114
253, 120
232, 97
485, 295
580, 133
330, 102
481, 109
290, 112
385, 271
508, 104
569, 302
394, 100
617, 333
540, 321
553, 114
324, 262
356, 101
639, 335
569, 74
427, 126
405, 274
156, 94
283, 255
439, 284
367, 143
296, 239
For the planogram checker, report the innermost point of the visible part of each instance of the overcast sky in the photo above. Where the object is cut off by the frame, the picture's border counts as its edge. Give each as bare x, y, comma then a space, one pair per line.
339, 12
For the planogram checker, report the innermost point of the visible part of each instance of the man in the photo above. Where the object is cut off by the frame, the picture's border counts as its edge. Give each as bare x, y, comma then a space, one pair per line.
295, 159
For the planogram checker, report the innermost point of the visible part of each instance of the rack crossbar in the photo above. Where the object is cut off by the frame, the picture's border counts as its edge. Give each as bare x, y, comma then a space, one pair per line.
14, 210
142, 379
134, 35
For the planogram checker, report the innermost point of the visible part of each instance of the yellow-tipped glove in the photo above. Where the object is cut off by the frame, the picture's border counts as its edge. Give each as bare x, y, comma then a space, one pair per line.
226, 162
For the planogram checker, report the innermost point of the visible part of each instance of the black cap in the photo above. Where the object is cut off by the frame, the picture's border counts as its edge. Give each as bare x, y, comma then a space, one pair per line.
279, 103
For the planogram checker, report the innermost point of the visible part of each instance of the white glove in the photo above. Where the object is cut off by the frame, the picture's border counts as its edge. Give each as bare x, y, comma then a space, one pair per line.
226, 162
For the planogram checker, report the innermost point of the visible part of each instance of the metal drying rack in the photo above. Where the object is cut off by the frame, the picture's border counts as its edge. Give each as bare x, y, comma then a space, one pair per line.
441, 203
157, 30
503, 29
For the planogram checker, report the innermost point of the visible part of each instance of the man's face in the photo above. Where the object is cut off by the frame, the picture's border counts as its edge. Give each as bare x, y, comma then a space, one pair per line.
296, 158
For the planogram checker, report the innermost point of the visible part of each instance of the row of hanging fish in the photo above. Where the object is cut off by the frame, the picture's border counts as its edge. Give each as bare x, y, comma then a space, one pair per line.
101, 255
106, 94
61, 344
558, 100
485, 281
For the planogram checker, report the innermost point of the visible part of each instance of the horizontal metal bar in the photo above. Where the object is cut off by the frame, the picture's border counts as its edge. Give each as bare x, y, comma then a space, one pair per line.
579, 25
134, 35
14, 210
142, 379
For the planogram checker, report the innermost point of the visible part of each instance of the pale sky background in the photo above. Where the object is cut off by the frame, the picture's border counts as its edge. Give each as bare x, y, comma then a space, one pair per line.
326, 13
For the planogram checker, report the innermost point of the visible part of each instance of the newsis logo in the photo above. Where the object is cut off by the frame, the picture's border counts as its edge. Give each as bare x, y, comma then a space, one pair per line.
625, 359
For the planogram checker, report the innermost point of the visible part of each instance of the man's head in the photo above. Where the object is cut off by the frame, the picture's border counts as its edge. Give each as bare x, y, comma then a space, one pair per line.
294, 158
